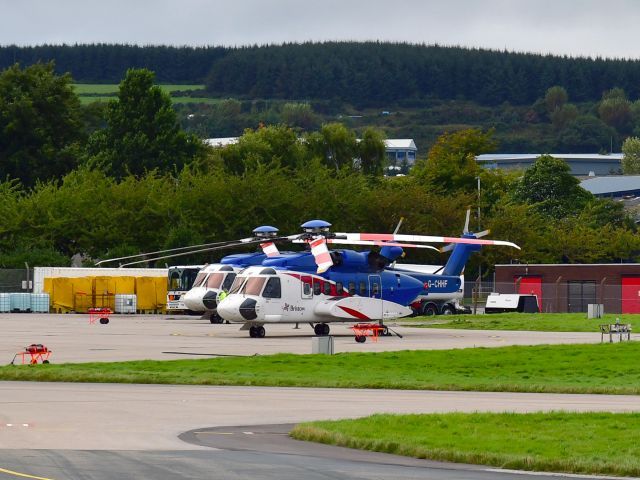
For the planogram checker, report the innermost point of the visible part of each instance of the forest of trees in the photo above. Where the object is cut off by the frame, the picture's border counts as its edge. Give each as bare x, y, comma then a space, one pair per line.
360, 73
126, 178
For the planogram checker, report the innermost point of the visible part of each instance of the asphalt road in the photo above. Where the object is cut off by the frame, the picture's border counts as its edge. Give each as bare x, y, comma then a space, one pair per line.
56, 431
106, 431
163, 337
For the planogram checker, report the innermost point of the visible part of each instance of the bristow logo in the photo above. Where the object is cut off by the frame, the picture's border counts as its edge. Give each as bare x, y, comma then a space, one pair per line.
292, 308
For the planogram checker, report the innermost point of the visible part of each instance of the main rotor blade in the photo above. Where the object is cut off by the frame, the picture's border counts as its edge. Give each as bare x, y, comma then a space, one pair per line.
389, 237
380, 244
237, 243
178, 249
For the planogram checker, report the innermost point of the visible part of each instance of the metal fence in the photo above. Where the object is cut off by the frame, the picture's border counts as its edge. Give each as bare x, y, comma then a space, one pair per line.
561, 297
16, 280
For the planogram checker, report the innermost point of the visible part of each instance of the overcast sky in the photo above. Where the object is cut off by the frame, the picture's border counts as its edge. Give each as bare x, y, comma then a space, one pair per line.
608, 28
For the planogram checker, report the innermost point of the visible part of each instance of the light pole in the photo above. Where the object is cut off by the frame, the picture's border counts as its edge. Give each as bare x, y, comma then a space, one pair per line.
478, 178
479, 264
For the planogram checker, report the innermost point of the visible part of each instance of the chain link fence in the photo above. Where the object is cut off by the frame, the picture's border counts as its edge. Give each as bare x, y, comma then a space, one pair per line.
16, 280
559, 297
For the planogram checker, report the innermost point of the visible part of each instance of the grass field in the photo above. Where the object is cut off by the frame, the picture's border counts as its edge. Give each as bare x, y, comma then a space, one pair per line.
591, 443
547, 322
106, 89
93, 92
593, 368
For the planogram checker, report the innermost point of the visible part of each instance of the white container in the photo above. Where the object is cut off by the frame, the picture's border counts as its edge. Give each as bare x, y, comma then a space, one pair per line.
126, 303
40, 302
20, 302
5, 302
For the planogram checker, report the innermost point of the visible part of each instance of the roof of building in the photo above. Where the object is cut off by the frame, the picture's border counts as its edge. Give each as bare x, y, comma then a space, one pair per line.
221, 142
611, 184
400, 143
510, 157
390, 143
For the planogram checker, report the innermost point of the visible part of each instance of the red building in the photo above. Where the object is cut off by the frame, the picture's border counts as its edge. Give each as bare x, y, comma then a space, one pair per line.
571, 287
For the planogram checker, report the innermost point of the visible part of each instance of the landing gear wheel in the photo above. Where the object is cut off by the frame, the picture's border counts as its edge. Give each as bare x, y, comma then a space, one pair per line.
215, 318
45, 361
104, 321
260, 332
321, 329
361, 338
252, 332
429, 310
447, 310
385, 331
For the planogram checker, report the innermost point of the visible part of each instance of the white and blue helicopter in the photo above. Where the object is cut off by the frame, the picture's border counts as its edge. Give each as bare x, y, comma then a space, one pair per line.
320, 287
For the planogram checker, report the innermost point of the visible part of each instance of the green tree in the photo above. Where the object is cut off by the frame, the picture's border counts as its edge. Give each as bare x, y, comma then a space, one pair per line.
562, 116
555, 98
631, 156
451, 163
371, 151
142, 132
40, 124
335, 144
299, 115
550, 189
615, 109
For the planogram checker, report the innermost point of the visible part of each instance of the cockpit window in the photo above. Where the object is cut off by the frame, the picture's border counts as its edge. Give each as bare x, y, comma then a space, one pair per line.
215, 280
253, 286
272, 289
199, 279
228, 281
237, 283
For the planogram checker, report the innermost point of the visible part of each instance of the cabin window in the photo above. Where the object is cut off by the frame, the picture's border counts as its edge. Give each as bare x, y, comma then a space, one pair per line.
317, 287
272, 289
339, 289
199, 279
306, 289
352, 288
363, 289
253, 286
237, 283
327, 288
215, 280
376, 289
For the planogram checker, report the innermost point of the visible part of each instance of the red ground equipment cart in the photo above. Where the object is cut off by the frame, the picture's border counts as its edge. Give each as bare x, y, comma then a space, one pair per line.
101, 314
364, 330
33, 354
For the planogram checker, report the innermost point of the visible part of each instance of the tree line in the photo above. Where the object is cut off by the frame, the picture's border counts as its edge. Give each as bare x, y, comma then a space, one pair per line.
357, 72
138, 182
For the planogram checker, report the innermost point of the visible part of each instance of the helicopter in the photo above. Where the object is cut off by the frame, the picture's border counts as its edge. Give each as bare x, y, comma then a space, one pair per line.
320, 287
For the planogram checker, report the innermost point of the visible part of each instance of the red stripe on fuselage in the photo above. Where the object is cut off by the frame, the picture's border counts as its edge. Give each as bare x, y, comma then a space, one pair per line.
354, 313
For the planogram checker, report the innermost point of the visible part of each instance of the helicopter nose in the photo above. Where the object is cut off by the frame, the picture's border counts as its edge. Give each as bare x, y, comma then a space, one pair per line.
248, 309
229, 308
193, 300
209, 299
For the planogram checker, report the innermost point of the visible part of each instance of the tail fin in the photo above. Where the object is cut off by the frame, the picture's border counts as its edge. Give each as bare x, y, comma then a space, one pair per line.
459, 257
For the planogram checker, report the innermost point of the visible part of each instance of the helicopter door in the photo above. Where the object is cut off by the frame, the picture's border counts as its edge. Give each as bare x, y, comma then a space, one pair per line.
375, 289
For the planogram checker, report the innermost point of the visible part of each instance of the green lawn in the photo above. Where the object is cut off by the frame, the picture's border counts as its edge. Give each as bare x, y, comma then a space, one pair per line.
591, 443
94, 92
547, 322
106, 89
594, 368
